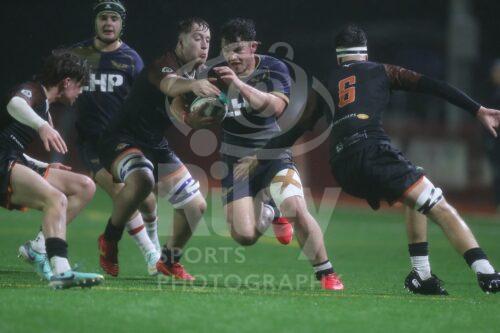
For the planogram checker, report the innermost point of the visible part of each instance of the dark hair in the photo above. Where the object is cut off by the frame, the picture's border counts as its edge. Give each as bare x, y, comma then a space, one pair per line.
60, 65
351, 35
184, 26
238, 29
110, 6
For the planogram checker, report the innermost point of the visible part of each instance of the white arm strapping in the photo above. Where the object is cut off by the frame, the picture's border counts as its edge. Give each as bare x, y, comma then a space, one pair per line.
38, 163
21, 111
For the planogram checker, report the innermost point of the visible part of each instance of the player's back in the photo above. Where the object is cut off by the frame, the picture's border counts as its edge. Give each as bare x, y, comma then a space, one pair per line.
361, 92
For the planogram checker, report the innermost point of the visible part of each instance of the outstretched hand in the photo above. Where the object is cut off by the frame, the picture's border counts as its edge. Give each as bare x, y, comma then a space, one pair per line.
490, 118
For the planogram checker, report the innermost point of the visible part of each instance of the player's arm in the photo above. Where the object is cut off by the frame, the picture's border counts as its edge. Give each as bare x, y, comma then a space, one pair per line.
19, 109
42, 164
174, 85
404, 79
308, 119
270, 103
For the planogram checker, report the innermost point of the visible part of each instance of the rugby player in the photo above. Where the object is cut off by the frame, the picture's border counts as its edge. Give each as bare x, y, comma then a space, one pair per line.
367, 166
258, 89
135, 151
51, 188
114, 66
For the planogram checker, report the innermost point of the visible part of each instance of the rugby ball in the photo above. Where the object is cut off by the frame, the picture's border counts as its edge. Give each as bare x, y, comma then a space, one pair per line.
215, 107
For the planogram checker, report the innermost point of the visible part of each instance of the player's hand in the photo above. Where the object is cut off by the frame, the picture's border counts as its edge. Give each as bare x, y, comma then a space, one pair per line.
205, 88
490, 118
245, 166
52, 139
59, 166
227, 75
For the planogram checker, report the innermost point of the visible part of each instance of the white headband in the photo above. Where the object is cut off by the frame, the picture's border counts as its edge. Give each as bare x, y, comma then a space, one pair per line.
349, 51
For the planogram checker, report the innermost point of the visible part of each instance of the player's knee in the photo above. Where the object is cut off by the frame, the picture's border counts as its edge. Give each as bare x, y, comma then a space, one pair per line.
87, 187
142, 181
294, 207
56, 200
244, 239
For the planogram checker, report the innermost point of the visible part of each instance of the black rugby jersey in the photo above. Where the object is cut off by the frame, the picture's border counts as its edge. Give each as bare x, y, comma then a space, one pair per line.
14, 133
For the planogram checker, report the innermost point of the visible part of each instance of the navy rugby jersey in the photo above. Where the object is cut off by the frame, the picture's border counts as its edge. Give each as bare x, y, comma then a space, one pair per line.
111, 78
14, 133
144, 114
244, 129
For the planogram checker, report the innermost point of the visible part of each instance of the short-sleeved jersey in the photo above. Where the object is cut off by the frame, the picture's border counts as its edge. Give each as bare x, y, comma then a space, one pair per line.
244, 129
14, 133
111, 78
144, 115
361, 92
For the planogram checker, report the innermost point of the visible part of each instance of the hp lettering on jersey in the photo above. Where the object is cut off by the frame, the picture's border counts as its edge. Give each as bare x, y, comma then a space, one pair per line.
236, 107
104, 82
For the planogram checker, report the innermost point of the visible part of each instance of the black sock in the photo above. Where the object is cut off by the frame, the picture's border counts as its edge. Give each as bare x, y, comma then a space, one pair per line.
323, 268
418, 249
113, 233
474, 254
170, 257
56, 247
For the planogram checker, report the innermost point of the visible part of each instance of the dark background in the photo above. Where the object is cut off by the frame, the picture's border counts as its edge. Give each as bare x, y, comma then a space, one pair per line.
411, 33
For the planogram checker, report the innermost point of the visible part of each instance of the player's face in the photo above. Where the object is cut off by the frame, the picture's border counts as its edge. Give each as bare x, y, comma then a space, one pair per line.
196, 44
240, 56
108, 26
70, 90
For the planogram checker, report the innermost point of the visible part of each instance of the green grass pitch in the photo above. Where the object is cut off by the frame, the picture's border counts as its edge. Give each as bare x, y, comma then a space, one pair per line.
264, 288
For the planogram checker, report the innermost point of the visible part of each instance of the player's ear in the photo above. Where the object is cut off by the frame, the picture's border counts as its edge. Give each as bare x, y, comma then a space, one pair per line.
253, 46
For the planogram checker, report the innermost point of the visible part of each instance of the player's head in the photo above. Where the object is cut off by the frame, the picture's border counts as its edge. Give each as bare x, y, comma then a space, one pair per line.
67, 72
193, 43
109, 20
239, 45
351, 43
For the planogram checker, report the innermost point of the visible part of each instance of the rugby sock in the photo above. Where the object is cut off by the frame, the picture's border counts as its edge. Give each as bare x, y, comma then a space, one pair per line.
38, 244
478, 261
170, 256
419, 257
57, 252
323, 268
151, 223
113, 233
135, 228
266, 218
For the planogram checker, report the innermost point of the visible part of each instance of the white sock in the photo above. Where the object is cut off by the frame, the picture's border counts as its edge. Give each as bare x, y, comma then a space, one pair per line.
482, 266
38, 244
266, 218
135, 228
152, 230
59, 265
422, 266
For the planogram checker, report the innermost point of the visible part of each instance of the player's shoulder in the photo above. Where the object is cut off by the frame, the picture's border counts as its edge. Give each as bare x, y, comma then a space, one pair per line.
31, 91
167, 63
270, 62
127, 49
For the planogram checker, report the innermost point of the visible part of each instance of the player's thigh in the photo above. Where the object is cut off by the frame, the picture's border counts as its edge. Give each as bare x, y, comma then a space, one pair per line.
286, 190
105, 180
240, 213
70, 183
29, 189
